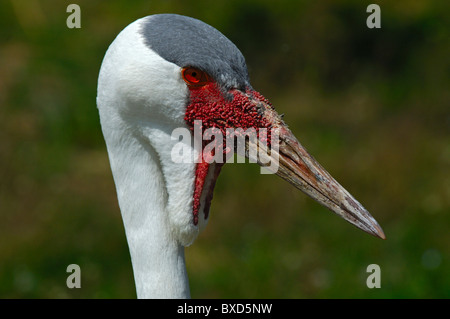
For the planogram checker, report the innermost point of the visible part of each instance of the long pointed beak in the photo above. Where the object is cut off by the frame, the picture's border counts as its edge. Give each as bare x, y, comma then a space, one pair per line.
299, 168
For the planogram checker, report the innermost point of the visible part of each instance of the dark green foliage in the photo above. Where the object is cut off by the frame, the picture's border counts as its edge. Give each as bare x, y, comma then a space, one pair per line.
371, 105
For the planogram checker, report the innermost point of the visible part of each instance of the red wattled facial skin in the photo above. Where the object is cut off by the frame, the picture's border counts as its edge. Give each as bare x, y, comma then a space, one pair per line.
209, 104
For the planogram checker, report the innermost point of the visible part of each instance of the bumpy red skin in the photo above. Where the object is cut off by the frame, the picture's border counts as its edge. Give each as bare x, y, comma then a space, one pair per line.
238, 109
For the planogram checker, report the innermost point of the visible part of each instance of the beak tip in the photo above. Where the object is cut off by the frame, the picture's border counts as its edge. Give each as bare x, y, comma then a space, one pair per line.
377, 231
381, 234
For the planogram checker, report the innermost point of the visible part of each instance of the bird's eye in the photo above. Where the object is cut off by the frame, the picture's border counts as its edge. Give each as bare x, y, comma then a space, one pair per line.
194, 77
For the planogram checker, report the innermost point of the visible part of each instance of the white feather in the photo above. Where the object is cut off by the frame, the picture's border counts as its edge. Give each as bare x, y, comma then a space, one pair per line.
141, 100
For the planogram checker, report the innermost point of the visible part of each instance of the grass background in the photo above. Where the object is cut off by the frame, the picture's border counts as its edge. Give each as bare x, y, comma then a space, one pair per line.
371, 105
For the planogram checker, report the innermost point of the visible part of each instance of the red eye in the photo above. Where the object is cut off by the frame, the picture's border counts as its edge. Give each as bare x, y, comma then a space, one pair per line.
194, 77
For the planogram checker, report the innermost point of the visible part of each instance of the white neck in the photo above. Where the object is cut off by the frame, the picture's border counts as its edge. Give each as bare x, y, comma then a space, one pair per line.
157, 257
141, 100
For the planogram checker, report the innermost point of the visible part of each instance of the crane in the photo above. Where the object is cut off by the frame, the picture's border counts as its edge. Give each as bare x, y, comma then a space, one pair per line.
166, 72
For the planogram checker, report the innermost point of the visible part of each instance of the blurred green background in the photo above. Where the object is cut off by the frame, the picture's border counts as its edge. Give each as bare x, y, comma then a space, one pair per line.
371, 105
